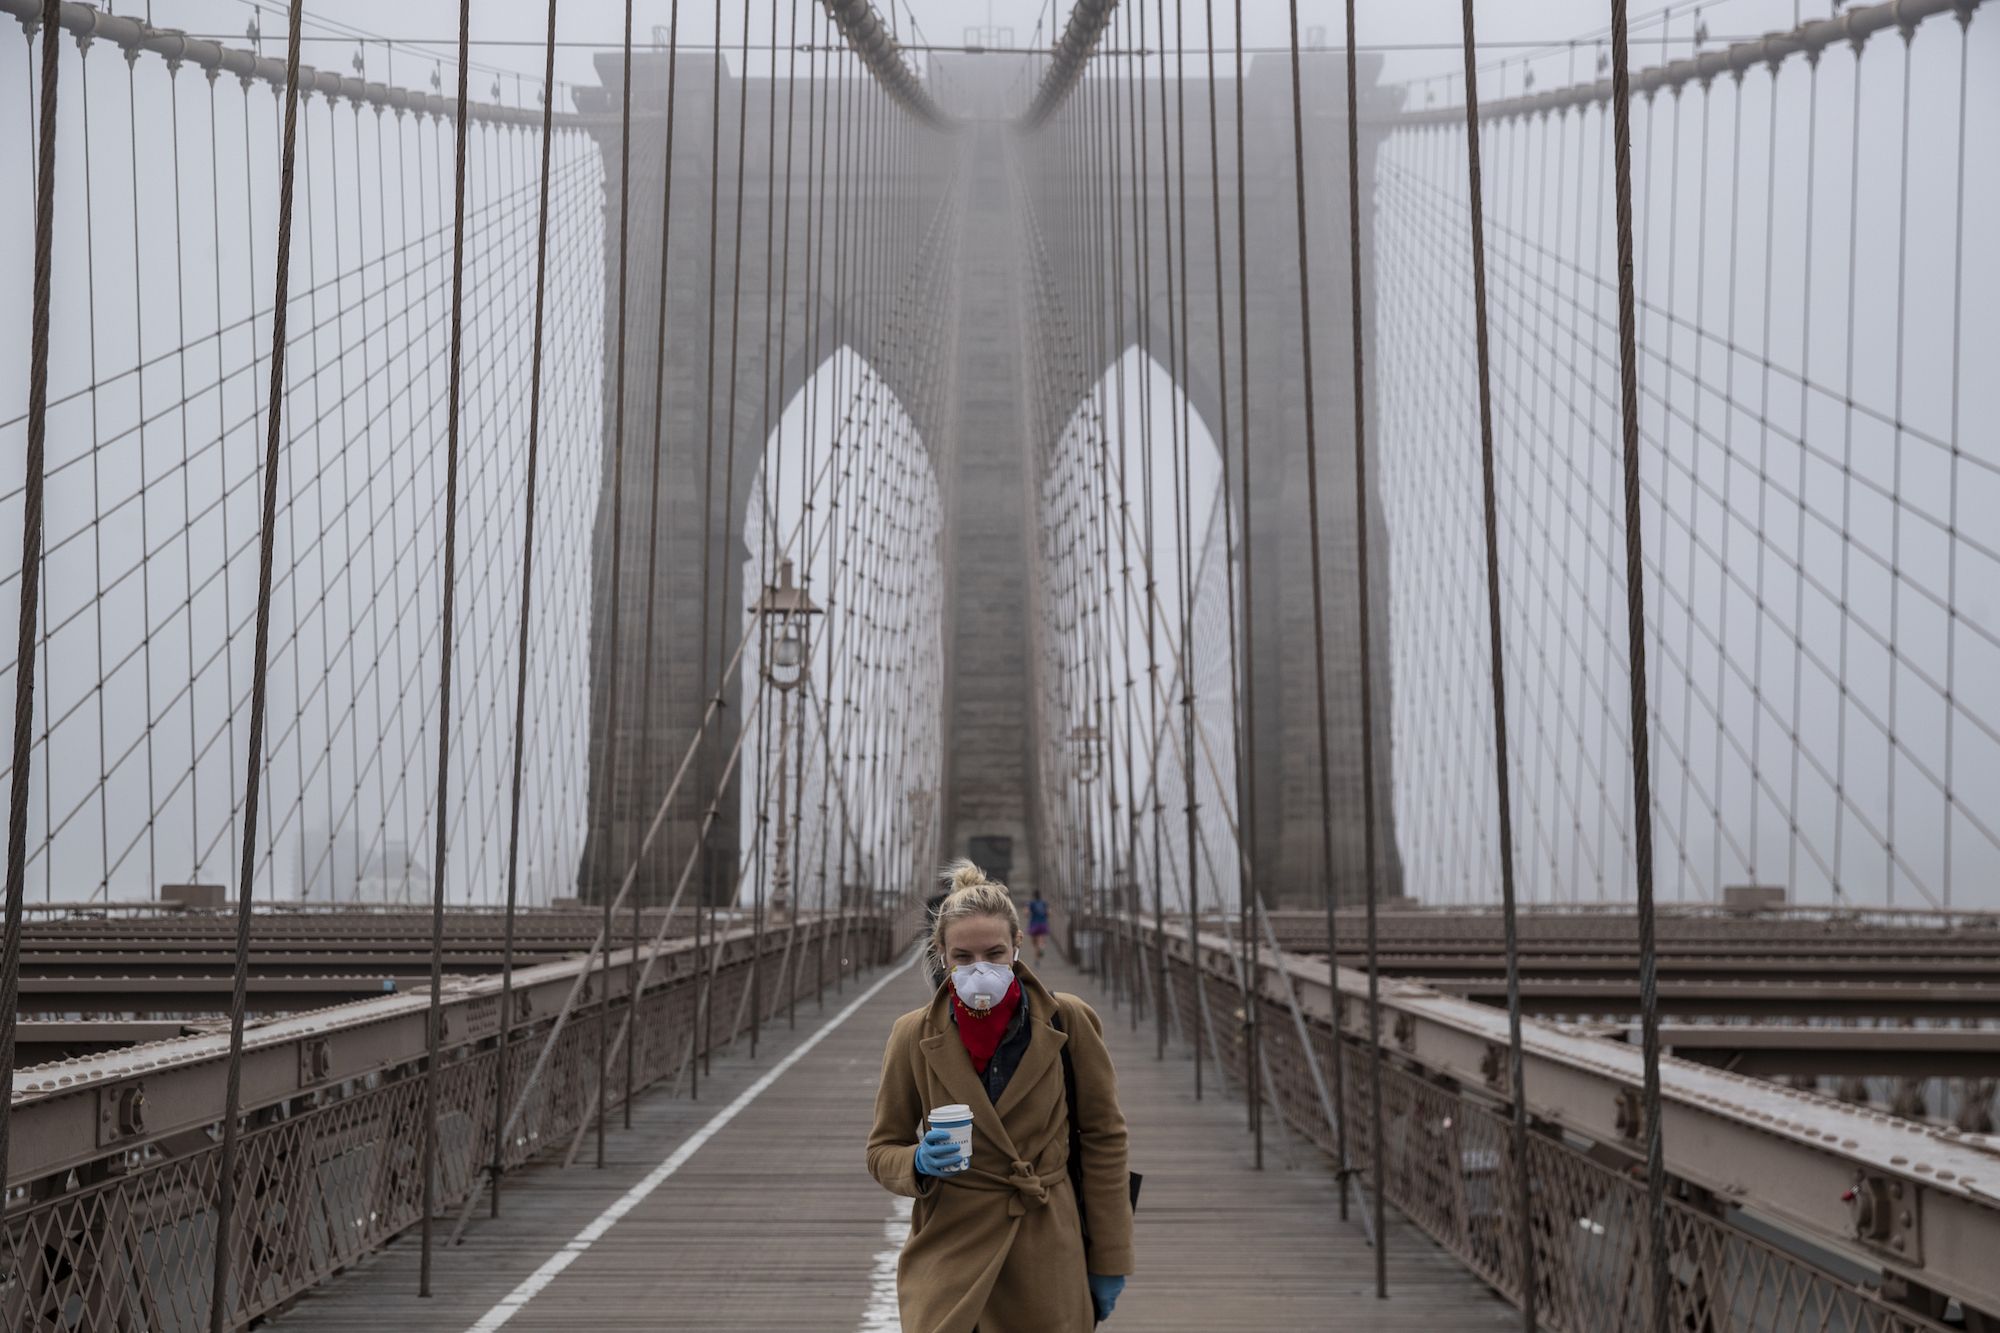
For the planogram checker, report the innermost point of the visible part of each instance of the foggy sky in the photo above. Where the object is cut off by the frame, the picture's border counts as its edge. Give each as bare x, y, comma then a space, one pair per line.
424, 28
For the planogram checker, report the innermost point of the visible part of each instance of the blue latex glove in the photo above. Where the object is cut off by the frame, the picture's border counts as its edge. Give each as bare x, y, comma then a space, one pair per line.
937, 1154
1104, 1294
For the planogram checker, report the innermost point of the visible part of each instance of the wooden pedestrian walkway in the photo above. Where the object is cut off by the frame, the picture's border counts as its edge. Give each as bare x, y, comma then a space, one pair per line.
751, 1209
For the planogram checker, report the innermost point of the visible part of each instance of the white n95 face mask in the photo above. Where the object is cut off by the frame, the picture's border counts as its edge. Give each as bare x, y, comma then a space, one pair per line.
981, 985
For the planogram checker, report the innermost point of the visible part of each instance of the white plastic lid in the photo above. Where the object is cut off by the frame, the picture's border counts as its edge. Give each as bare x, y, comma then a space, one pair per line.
956, 1113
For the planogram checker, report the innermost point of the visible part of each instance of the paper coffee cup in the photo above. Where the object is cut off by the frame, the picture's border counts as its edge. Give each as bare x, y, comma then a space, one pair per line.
957, 1118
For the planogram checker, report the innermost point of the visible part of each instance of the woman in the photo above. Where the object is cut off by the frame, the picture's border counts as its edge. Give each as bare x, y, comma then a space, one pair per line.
997, 1245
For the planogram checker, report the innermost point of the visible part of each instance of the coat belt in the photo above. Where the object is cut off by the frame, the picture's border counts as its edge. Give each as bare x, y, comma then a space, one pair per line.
1030, 1189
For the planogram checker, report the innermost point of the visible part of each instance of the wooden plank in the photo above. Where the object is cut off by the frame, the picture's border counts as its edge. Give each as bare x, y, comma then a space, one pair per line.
773, 1224
1222, 1245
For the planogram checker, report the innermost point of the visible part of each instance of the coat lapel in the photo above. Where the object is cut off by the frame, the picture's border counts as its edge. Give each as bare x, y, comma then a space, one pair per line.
1044, 1051
945, 1054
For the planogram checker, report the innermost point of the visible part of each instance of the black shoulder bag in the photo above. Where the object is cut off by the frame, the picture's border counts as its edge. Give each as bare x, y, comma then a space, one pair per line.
1133, 1178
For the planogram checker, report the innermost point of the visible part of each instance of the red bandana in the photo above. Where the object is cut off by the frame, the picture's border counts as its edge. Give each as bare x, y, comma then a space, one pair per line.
981, 1033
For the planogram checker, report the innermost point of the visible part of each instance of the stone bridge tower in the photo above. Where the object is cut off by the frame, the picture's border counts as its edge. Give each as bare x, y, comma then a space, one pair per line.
979, 431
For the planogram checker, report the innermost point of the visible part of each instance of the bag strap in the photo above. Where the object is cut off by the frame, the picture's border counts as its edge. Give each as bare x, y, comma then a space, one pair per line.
1075, 1129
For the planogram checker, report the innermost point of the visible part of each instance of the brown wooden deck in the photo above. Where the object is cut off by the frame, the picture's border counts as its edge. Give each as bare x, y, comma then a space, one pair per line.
772, 1223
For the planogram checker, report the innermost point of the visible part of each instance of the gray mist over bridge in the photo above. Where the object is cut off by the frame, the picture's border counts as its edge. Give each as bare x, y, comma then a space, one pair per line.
1473, 605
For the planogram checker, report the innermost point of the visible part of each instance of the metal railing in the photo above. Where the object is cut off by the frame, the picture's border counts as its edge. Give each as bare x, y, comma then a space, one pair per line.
110, 1223
1893, 1247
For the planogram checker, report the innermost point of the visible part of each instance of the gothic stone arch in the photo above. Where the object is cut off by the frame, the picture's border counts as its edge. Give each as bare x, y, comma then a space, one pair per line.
977, 426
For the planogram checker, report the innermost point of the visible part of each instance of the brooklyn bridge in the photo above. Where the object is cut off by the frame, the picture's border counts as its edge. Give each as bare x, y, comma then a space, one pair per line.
1460, 568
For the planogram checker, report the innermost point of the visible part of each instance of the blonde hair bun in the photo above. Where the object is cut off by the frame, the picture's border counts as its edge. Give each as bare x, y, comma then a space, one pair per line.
964, 875
971, 893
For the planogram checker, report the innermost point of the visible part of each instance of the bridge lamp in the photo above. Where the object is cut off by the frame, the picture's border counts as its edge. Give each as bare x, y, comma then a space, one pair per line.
786, 612
1084, 739
1088, 745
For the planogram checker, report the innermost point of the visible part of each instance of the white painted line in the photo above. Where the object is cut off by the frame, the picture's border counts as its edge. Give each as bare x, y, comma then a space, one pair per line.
883, 1314
532, 1286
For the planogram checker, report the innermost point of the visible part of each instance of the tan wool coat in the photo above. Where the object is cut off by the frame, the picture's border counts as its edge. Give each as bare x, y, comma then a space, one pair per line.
998, 1246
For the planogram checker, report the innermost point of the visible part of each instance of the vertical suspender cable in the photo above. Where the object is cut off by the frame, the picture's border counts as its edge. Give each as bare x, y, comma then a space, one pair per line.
1248, 898
729, 459
703, 939
436, 1013
1127, 900
610, 757
145, 567
1313, 529
1362, 609
90, 252
775, 362
811, 283
1957, 373
225, 1198
527, 599
1241, 747
1656, 1318
31, 575
853, 548
841, 102
1141, 164
1524, 1233
1110, 352
1184, 484
886, 556
706, 790
653, 520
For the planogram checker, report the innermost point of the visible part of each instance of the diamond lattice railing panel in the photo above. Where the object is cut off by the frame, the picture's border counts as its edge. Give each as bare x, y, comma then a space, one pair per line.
335, 1174
1449, 1167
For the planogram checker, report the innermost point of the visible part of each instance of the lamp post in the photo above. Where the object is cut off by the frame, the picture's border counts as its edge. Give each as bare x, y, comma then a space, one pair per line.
785, 613
1089, 757
1088, 747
